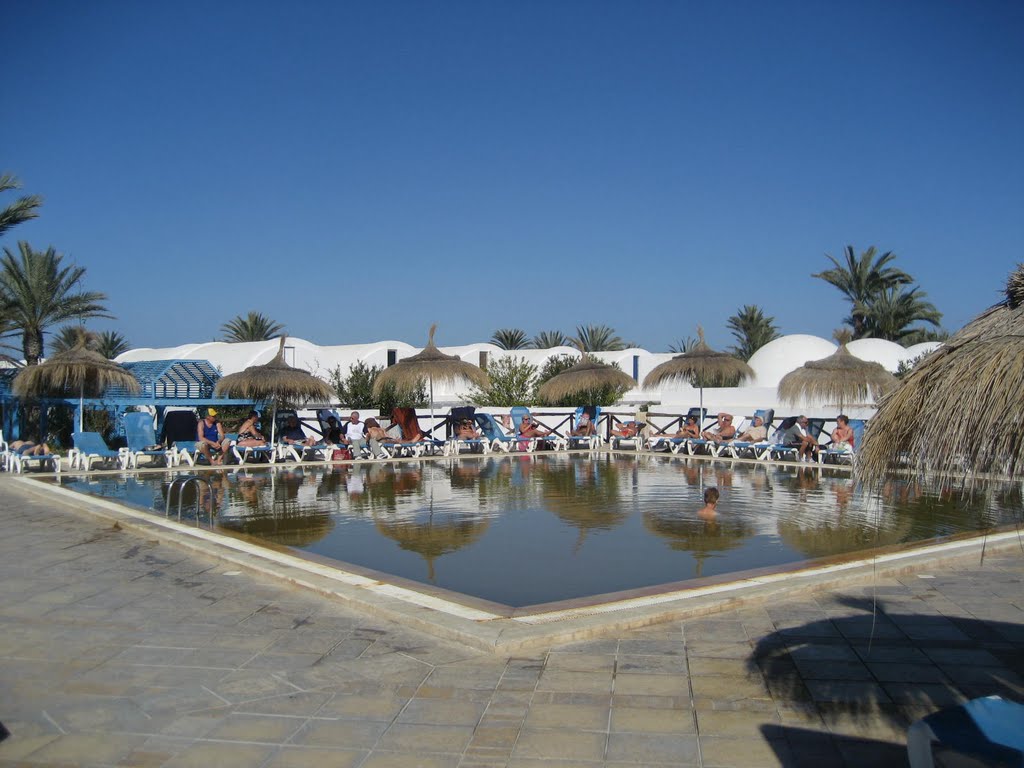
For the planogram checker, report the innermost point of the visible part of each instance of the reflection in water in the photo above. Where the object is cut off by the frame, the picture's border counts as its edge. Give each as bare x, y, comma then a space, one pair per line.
701, 538
534, 528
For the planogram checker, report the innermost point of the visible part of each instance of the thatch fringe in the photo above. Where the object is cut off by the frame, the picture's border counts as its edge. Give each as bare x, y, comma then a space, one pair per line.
960, 412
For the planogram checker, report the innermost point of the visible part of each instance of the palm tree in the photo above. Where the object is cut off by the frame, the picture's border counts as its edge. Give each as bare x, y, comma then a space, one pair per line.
596, 338
70, 336
861, 280
683, 346
549, 339
892, 313
110, 344
752, 330
510, 338
254, 327
22, 209
36, 291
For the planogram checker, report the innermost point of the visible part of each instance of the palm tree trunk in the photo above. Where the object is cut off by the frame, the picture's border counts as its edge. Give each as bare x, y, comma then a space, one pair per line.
32, 346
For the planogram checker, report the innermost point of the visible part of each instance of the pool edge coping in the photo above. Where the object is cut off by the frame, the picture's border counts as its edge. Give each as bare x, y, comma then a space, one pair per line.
494, 632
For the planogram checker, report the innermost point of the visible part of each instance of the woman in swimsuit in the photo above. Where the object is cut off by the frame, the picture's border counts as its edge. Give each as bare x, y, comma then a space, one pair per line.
249, 434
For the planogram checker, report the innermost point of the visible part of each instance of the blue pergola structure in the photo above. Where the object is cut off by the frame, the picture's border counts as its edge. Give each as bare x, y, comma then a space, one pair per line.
163, 383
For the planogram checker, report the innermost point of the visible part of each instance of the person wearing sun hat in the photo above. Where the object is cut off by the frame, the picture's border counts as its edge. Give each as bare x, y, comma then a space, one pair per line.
210, 440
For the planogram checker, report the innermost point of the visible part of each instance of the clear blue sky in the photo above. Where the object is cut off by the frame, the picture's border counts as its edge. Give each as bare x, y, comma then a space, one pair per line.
358, 170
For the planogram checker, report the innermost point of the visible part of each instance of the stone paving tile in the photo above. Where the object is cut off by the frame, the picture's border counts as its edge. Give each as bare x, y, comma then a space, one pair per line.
148, 656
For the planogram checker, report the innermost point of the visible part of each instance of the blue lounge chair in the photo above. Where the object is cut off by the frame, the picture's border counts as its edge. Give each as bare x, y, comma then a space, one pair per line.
739, 449
844, 456
141, 438
676, 444
455, 445
90, 447
16, 462
591, 442
491, 429
782, 452
528, 444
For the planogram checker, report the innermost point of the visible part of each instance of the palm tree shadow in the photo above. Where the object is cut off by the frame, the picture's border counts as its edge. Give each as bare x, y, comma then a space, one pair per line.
800, 747
879, 670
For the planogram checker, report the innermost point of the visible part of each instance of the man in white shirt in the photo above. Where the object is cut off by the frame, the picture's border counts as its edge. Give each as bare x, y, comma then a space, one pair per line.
353, 433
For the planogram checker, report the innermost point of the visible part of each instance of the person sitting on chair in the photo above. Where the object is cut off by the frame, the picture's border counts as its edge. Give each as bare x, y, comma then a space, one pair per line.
689, 430
585, 427
249, 435
722, 431
354, 433
210, 440
627, 429
798, 436
528, 428
292, 433
842, 436
377, 435
30, 448
333, 434
755, 433
467, 431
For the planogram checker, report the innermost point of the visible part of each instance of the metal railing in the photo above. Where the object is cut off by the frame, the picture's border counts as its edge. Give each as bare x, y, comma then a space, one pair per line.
180, 484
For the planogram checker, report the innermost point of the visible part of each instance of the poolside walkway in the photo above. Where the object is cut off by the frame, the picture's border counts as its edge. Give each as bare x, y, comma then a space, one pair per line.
118, 650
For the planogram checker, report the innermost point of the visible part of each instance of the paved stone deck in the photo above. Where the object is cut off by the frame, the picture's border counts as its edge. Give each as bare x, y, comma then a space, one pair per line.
118, 650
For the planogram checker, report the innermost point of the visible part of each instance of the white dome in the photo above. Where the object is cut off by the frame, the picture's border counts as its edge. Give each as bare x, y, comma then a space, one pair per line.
922, 349
787, 353
888, 353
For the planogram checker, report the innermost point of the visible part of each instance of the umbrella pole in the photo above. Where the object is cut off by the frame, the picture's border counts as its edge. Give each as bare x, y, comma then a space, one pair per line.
273, 422
81, 407
431, 379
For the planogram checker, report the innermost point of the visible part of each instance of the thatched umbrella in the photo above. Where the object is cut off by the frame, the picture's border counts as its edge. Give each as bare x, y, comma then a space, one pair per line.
78, 370
588, 374
271, 381
701, 366
960, 411
839, 378
433, 365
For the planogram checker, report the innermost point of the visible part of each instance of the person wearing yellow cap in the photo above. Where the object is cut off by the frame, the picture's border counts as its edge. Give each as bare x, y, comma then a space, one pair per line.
210, 438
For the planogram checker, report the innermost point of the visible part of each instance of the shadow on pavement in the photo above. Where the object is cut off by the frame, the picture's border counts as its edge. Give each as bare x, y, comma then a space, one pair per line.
874, 671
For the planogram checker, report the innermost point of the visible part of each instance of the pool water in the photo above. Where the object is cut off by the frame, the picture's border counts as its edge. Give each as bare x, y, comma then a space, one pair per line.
523, 530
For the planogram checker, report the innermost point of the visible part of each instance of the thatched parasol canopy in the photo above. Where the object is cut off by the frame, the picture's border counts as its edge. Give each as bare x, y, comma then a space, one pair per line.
587, 375
960, 411
839, 378
701, 366
271, 381
432, 365
78, 371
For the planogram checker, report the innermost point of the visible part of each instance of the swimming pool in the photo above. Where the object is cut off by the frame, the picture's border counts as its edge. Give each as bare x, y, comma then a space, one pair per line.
533, 529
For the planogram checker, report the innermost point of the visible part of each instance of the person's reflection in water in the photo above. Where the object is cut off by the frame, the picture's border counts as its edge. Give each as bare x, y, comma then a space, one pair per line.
709, 511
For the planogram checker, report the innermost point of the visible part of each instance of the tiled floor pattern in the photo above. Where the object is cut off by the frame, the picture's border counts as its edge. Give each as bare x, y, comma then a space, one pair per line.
116, 650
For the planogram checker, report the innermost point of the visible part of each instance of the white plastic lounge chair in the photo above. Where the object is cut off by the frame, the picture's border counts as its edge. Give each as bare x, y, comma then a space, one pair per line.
141, 437
531, 444
740, 449
844, 455
455, 445
17, 462
491, 429
636, 442
90, 447
590, 442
